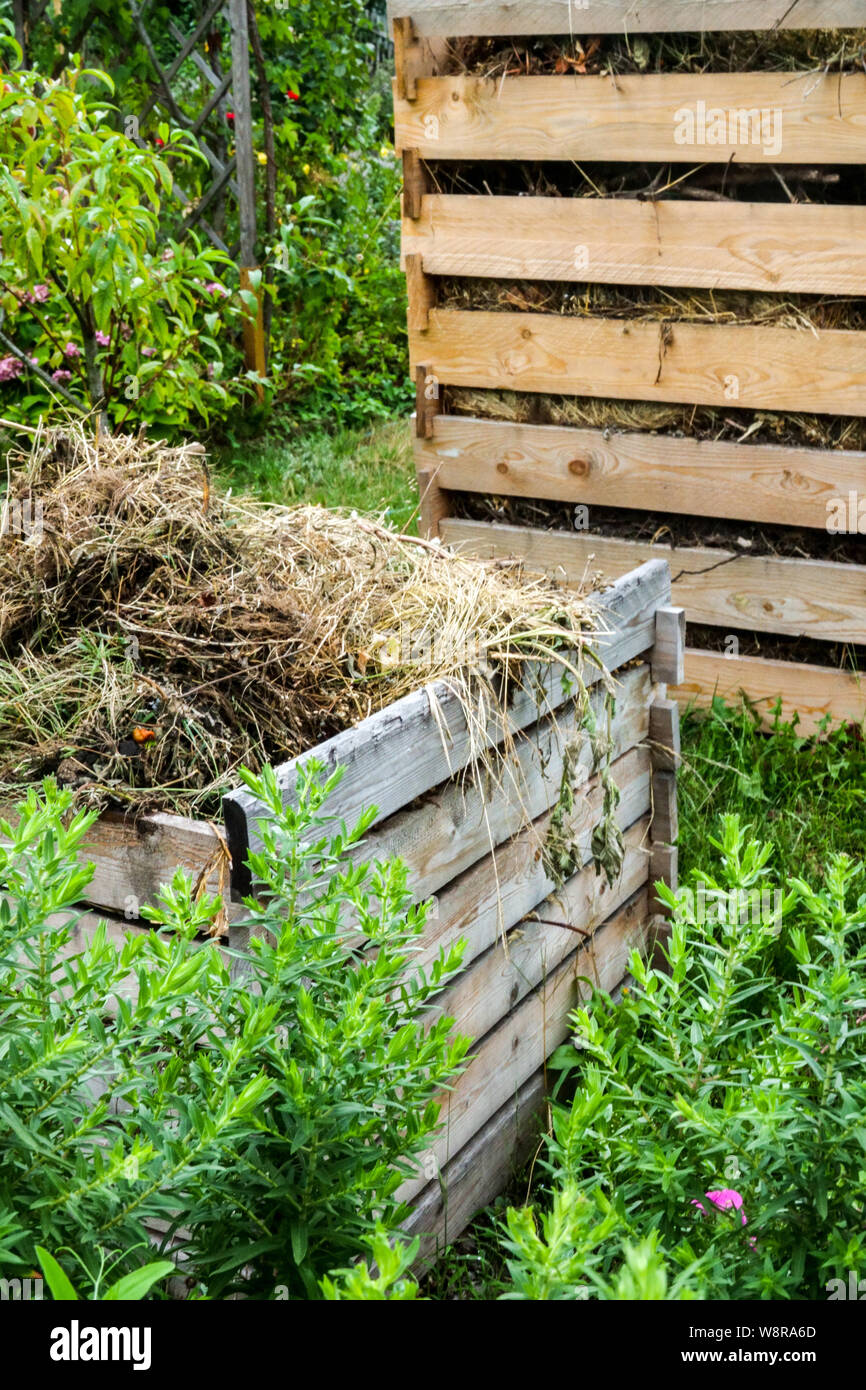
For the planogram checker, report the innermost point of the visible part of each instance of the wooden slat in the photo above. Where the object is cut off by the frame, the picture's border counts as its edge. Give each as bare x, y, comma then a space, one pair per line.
524, 17
804, 248
134, 859
501, 977
422, 740
811, 118
696, 364
812, 692
744, 482
481, 1170
664, 735
462, 822
793, 597
515, 1050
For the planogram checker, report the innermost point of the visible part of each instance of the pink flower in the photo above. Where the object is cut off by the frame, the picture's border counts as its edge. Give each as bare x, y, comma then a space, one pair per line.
10, 368
102, 338
148, 351
72, 350
213, 288
167, 255
41, 293
61, 375
726, 1199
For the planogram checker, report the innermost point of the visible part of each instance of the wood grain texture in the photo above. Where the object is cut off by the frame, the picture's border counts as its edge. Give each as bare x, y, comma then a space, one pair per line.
515, 1050
482, 1169
812, 692
522, 17
498, 980
423, 740
814, 598
781, 248
134, 859
664, 735
745, 482
483, 904
810, 118
697, 364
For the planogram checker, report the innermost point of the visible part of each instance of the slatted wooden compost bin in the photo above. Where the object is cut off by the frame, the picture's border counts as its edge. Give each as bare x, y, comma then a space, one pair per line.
478, 846
453, 128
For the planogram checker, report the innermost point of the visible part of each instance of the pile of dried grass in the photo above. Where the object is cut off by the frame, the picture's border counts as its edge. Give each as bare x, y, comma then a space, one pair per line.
778, 50
157, 634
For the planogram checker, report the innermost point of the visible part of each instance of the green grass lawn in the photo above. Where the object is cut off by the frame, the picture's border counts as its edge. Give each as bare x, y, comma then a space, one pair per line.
365, 470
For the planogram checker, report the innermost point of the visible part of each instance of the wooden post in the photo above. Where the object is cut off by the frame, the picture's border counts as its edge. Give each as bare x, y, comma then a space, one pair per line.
404, 59
669, 652
433, 502
254, 331
416, 183
421, 289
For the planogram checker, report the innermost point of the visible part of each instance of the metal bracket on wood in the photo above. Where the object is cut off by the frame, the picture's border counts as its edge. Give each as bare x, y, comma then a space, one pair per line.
669, 653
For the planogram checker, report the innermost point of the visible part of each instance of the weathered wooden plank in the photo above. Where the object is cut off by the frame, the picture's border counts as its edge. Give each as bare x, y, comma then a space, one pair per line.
783, 248
814, 598
524, 17
482, 905
481, 1170
696, 364
664, 868
514, 1051
815, 693
664, 735
134, 858
743, 482
424, 739
668, 654
465, 820
757, 118
497, 980
665, 820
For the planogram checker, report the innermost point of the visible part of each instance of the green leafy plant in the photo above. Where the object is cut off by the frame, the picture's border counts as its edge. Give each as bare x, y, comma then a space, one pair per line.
718, 1106
128, 1288
389, 1279
104, 309
271, 1117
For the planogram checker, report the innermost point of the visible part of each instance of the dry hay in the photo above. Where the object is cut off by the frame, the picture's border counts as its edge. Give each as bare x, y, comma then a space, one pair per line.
785, 50
682, 421
160, 634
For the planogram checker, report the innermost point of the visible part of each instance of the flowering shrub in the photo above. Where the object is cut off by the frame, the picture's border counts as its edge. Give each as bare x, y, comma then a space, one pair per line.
719, 1106
88, 295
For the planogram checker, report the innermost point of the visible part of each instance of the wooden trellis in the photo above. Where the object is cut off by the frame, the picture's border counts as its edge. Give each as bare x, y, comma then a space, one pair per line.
232, 175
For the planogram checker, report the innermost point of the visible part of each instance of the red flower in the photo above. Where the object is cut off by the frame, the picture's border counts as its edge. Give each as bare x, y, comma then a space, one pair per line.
293, 96
230, 115
159, 142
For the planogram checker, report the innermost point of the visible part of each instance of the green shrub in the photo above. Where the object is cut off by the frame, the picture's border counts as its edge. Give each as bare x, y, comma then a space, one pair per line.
101, 306
718, 1108
271, 1118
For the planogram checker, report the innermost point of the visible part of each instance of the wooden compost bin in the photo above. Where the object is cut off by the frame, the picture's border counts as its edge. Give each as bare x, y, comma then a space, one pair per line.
750, 246
476, 846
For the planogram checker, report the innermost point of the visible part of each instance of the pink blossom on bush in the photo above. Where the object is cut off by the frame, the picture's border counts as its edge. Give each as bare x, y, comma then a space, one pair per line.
72, 350
102, 338
10, 368
41, 293
148, 351
61, 375
213, 287
726, 1199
